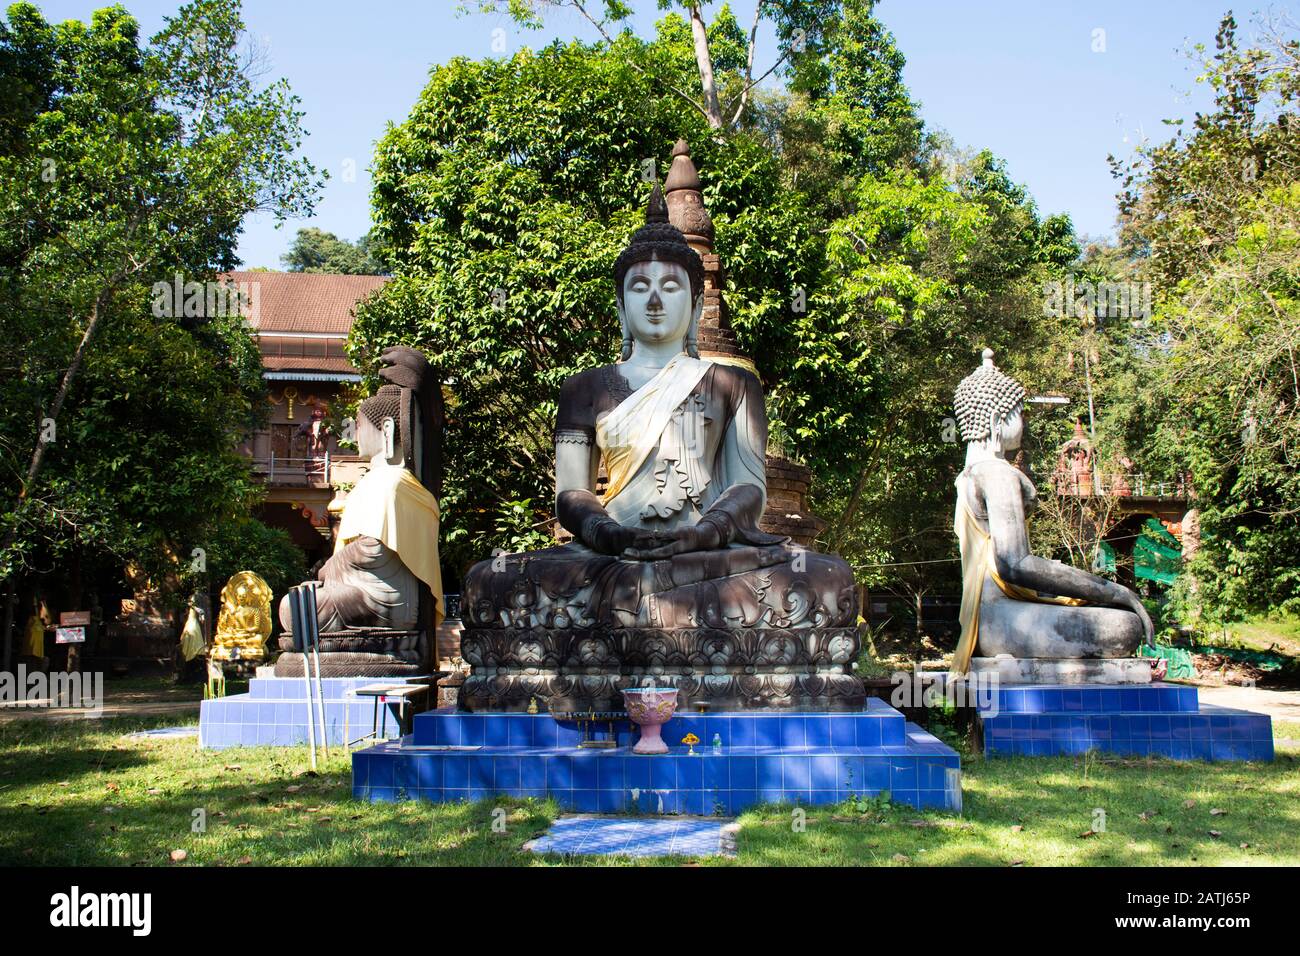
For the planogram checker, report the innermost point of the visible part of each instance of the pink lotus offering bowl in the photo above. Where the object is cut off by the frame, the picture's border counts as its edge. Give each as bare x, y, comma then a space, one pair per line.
650, 708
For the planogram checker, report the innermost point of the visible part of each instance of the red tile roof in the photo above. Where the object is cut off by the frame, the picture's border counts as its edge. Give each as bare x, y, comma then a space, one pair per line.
305, 302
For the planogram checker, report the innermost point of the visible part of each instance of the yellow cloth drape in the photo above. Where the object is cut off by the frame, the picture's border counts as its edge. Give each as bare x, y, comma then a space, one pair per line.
738, 361
192, 642
629, 433
391, 505
977, 559
34, 637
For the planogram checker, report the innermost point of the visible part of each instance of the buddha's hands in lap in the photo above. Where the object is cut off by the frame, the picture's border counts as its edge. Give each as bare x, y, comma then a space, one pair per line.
657, 546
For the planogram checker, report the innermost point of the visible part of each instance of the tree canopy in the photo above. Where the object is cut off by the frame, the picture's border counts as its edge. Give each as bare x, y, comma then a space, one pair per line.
127, 166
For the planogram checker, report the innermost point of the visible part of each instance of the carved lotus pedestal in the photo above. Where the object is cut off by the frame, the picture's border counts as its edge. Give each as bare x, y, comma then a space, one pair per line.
361, 652
718, 669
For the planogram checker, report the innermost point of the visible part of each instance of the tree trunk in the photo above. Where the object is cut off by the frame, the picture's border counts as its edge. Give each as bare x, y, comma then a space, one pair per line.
10, 594
38, 454
704, 61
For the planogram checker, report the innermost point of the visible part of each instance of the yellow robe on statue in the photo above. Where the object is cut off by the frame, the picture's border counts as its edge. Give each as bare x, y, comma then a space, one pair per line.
390, 505
977, 559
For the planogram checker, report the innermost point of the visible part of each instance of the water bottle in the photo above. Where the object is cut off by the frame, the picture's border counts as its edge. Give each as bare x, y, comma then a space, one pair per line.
717, 745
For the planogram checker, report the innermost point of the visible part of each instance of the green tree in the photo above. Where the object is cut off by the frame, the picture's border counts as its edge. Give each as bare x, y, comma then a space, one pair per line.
1212, 219
315, 250
124, 165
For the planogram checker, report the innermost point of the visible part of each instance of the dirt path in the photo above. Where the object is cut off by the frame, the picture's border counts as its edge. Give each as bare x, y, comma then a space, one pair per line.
1278, 704
133, 699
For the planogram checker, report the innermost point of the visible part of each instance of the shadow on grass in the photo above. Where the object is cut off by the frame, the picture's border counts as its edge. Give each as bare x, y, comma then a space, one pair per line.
79, 793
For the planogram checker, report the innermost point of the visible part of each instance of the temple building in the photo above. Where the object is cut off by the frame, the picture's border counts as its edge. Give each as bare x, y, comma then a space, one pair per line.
302, 321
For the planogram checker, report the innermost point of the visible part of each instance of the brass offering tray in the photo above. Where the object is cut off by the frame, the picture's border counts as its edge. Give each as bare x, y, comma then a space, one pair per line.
588, 719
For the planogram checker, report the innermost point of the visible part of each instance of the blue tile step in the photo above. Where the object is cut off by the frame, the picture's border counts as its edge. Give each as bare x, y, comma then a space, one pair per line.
274, 713
1155, 720
876, 725
916, 769
1156, 697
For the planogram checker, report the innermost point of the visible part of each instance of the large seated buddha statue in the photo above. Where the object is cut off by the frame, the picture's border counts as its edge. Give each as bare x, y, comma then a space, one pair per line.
378, 595
1014, 602
668, 573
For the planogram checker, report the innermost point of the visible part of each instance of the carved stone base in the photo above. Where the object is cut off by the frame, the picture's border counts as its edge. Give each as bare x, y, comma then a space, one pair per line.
361, 652
1042, 670
727, 670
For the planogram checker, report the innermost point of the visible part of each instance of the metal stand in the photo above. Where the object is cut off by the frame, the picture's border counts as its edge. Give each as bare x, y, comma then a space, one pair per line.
303, 629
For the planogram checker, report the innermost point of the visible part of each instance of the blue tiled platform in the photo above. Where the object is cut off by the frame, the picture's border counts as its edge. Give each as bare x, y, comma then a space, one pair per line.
1156, 719
274, 713
798, 758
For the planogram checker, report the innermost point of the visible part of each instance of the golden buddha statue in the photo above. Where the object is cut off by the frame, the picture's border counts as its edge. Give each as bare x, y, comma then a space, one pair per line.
244, 623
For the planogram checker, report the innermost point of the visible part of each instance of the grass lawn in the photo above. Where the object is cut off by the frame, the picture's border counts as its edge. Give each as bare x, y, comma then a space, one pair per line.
79, 793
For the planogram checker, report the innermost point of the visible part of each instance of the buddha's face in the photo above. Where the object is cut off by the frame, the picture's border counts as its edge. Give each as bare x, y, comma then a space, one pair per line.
657, 304
370, 440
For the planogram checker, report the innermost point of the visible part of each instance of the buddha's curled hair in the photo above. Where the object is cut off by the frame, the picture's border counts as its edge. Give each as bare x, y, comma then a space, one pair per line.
984, 395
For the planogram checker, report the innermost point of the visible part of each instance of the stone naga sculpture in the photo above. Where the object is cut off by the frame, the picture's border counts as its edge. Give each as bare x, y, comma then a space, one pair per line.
1014, 602
669, 556
381, 590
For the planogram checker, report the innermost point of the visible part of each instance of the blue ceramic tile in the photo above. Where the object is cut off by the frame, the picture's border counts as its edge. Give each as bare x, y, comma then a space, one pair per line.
559, 773
611, 801
869, 732
844, 732
744, 773
455, 773
717, 772
767, 732
584, 772
876, 773
609, 773
636, 772
663, 772
793, 732
826, 773
532, 773
429, 772
690, 773
544, 731
817, 731
496, 731
481, 773
743, 731
797, 773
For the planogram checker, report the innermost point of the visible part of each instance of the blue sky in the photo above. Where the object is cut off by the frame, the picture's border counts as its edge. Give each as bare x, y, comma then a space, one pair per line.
1019, 77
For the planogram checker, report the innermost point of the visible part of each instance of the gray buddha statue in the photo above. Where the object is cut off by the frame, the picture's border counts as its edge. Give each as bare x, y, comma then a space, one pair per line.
379, 593
1014, 602
668, 572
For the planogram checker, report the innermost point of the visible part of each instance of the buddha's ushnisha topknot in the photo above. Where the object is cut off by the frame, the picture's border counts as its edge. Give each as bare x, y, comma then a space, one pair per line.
659, 239
983, 395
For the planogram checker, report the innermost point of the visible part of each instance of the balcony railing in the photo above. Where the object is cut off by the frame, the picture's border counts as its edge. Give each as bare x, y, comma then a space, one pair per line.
1117, 486
293, 471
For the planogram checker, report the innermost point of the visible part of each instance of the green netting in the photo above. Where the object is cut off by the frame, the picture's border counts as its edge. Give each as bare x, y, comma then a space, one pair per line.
1180, 661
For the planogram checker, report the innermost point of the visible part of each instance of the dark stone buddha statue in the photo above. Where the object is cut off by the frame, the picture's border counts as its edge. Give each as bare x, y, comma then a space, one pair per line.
668, 573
